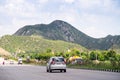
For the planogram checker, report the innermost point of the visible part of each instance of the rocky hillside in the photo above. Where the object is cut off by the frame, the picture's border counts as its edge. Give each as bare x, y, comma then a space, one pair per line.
60, 30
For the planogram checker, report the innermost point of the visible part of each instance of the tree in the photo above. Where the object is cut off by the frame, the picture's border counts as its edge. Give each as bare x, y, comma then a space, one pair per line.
111, 53
118, 59
75, 52
92, 55
101, 57
106, 57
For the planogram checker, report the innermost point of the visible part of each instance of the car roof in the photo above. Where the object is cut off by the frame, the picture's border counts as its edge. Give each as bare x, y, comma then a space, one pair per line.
56, 57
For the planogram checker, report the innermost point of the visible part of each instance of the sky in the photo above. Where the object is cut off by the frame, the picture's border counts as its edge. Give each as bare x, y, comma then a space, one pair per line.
96, 18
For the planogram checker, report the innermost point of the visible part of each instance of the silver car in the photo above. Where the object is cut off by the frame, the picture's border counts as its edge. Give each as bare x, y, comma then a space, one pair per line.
20, 61
56, 63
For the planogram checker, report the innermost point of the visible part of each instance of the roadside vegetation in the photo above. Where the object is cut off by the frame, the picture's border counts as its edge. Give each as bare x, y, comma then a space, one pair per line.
91, 60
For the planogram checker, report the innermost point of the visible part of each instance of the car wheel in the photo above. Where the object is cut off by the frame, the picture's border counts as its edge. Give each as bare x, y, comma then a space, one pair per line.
50, 70
47, 70
60, 70
65, 70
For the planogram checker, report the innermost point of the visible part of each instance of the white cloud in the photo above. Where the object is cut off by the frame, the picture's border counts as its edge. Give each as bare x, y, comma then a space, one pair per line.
94, 17
5, 31
42, 1
18, 8
92, 31
15, 1
69, 1
89, 3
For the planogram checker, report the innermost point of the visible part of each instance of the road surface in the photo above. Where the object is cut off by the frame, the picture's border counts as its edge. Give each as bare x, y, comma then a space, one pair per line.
29, 72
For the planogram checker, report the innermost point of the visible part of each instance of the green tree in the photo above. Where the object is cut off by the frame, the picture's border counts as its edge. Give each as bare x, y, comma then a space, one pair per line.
118, 59
112, 57
101, 57
93, 55
111, 53
106, 57
74, 52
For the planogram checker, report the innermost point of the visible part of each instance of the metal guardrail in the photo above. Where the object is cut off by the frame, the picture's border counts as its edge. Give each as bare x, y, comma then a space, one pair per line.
108, 70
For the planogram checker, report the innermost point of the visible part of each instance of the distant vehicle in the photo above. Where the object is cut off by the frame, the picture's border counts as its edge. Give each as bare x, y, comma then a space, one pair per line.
76, 60
20, 61
3, 63
11, 62
56, 63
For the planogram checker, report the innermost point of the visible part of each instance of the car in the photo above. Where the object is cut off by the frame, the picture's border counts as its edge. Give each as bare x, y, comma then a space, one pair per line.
20, 61
56, 63
11, 62
79, 61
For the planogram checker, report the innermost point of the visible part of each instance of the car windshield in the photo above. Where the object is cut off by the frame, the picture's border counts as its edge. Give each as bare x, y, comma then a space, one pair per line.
58, 59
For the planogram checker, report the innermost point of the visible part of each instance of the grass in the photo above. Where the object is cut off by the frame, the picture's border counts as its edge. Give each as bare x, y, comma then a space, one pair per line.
101, 65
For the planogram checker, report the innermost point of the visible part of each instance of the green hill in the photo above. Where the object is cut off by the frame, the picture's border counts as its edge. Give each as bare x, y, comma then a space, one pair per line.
34, 44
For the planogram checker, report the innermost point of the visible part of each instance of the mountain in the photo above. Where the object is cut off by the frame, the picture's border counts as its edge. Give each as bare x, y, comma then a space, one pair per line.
60, 30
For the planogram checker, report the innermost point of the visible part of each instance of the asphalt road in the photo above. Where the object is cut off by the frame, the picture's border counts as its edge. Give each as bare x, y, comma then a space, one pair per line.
28, 72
